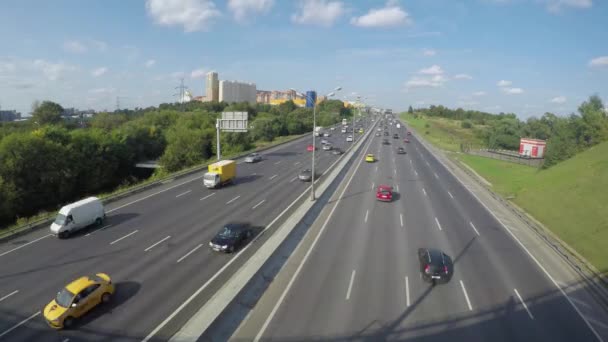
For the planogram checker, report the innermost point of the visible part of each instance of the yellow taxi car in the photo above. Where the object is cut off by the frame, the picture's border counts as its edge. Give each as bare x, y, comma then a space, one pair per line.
370, 158
361, 130
77, 298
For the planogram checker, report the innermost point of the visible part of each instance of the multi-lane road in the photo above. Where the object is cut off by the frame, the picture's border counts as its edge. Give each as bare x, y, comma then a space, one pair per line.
358, 277
154, 245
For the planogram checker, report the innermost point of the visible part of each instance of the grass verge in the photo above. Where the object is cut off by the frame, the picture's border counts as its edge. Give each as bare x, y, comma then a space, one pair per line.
443, 133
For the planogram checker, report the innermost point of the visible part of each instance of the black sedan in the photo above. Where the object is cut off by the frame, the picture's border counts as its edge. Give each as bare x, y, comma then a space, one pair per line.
401, 150
435, 266
385, 142
231, 237
395, 136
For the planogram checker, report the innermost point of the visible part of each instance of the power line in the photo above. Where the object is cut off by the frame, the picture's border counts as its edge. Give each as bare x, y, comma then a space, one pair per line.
182, 93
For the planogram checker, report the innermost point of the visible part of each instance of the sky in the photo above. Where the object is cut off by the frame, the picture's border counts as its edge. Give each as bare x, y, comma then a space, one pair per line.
522, 56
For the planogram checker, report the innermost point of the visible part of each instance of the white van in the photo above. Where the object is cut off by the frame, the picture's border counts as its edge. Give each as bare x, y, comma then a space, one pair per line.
78, 215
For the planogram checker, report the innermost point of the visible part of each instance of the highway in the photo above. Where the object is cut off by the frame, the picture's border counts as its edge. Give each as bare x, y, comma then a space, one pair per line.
359, 279
154, 245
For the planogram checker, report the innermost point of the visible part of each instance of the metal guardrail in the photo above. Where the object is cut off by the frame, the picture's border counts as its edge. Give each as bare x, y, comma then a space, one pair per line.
10, 233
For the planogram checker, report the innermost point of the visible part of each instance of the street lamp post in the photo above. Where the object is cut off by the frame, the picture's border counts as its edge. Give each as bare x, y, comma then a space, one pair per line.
314, 145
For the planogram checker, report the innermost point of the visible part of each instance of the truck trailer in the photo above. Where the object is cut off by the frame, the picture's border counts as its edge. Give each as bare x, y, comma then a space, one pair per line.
220, 173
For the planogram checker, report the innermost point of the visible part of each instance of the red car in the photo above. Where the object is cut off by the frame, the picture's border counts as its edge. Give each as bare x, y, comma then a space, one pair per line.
384, 193
406, 140
409, 133
309, 148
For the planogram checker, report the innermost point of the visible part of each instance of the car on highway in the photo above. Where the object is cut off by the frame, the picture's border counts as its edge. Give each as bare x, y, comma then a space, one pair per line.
401, 150
370, 158
327, 147
324, 141
253, 158
360, 130
385, 142
349, 138
378, 134
406, 140
326, 135
231, 237
409, 133
305, 175
336, 151
379, 129
386, 134
343, 130
310, 148
333, 128
395, 136
78, 298
435, 265
384, 193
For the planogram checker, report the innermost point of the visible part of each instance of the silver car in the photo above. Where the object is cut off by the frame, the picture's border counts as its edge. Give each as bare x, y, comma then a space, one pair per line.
327, 147
305, 175
253, 158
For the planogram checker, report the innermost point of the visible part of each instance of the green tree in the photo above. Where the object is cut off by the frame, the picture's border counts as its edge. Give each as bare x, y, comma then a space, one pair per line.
108, 121
47, 113
410, 110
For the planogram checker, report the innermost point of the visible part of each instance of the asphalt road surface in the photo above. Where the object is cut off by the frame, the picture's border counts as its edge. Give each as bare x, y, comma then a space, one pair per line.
154, 245
361, 280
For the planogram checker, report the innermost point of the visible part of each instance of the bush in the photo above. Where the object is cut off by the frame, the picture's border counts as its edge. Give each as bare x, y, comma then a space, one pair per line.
427, 125
466, 124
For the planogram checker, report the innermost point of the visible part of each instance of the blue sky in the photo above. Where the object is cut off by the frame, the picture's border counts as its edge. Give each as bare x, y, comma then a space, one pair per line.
521, 56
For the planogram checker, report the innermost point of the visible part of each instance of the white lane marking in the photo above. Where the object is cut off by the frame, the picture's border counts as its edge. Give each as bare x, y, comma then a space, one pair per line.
277, 163
410, 161
25, 244
296, 163
376, 169
257, 205
366, 214
436, 175
580, 302
306, 256
373, 184
8, 295
183, 193
156, 244
407, 291
254, 174
293, 179
234, 199
449, 193
19, 324
394, 171
475, 229
466, 296
66, 340
124, 237
427, 163
424, 192
438, 224
273, 177
596, 322
416, 173
350, 284
187, 254
211, 194
542, 268
401, 219
524, 304
154, 194
397, 187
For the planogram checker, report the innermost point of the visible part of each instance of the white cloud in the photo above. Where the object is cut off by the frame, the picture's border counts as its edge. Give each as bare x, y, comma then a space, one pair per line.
52, 71
557, 5
193, 15
433, 70
479, 93
599, 62
513, 91
463, 77
99, 71
504, 83
7, 67
243, 8
102, 90
74, 46
429, 52
558, 99
150, 63
389, 16
425, 82
318, 12
198, 73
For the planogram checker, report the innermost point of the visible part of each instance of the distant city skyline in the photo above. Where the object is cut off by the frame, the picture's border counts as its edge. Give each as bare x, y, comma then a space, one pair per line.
395, 54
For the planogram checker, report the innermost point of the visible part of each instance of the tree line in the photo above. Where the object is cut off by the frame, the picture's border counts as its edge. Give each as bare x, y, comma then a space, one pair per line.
49, 160
565, 135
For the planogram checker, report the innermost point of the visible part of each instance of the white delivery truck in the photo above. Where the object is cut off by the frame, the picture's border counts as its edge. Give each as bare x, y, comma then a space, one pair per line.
78, 215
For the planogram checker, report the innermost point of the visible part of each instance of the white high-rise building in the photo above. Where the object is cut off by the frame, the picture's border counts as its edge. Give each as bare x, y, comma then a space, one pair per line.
233, 91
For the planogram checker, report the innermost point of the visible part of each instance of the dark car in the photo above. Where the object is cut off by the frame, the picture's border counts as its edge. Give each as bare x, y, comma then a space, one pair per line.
386, 134
385, 142
395, 136
401, 150
231, 237
435, 266
305, 175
